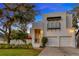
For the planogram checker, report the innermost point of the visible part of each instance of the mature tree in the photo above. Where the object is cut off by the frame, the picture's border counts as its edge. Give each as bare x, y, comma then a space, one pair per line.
24, 15
21, 14
75, 12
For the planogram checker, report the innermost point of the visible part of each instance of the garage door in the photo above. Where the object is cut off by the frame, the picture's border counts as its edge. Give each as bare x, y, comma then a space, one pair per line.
53, 41
65, 41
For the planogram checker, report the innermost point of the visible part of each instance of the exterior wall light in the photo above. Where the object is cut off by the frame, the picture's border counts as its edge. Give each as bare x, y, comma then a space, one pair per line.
71, 30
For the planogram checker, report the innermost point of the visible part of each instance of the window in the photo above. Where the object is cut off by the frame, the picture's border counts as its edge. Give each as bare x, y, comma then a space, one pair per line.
53, 22
53, 25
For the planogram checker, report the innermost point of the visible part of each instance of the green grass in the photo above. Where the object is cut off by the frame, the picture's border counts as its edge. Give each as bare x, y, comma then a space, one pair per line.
19, 52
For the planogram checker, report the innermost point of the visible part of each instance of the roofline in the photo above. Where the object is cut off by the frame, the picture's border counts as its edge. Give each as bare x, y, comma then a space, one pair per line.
55, 13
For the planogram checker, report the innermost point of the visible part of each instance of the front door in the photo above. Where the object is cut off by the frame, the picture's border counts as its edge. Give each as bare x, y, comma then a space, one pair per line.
37, 35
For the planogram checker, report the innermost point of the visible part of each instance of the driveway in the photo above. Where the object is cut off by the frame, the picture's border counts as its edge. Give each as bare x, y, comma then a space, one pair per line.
53, 51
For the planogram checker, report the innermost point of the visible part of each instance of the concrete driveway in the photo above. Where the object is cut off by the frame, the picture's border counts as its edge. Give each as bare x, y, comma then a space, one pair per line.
53, 51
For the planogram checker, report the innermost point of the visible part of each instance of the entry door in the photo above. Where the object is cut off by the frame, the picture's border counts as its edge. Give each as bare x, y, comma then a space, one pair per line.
37, 35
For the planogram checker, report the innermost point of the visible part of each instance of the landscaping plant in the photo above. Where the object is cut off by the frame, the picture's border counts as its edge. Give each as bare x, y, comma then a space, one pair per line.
44, 41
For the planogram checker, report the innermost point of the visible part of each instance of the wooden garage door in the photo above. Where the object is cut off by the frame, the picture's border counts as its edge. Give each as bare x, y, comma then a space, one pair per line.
53, 41
65, 41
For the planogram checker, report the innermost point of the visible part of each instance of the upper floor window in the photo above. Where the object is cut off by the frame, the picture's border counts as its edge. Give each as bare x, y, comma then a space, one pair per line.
53, 23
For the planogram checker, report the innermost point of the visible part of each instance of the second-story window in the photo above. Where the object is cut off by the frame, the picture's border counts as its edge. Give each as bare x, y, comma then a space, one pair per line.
54, 23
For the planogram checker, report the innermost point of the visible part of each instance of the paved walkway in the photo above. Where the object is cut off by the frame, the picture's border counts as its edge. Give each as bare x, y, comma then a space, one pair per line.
50, 51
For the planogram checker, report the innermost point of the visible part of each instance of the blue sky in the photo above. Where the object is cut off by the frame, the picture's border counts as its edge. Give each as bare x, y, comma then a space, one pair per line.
45, 8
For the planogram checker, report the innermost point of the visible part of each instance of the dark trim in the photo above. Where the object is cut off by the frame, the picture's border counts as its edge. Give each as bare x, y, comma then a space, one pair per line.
53, 28
53, 18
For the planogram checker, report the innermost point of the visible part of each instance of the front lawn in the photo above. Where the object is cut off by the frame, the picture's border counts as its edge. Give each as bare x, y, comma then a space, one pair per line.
19, 52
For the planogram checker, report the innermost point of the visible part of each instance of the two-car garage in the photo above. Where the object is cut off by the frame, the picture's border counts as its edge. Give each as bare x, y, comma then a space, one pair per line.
61, 41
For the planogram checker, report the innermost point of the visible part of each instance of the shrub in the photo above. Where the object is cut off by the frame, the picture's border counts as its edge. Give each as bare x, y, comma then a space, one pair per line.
18, 46
18, 35
44, 41
29, 45
24, 46
4, 46
12, 46
0, 45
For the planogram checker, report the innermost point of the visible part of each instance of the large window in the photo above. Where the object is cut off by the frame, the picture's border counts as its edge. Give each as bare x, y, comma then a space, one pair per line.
53, 23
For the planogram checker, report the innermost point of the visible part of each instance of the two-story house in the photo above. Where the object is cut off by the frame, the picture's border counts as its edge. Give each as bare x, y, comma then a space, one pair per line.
57, 27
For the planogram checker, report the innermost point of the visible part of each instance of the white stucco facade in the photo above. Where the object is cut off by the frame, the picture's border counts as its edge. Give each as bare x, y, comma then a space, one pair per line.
63, 37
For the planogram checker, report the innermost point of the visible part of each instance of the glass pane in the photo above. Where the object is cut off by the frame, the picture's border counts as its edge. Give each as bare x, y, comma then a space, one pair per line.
53, 25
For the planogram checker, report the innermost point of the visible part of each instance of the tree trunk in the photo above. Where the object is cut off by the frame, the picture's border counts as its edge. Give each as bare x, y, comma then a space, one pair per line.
9, 35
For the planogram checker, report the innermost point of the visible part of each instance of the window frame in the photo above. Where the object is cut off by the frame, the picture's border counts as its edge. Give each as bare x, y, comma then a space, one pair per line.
52, 21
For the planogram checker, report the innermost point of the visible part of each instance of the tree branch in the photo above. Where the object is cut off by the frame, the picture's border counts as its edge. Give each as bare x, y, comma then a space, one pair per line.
2, 30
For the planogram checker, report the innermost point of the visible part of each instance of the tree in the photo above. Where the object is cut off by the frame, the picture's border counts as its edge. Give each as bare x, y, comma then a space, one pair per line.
22, 15
17, 34
25, 14
75, 17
